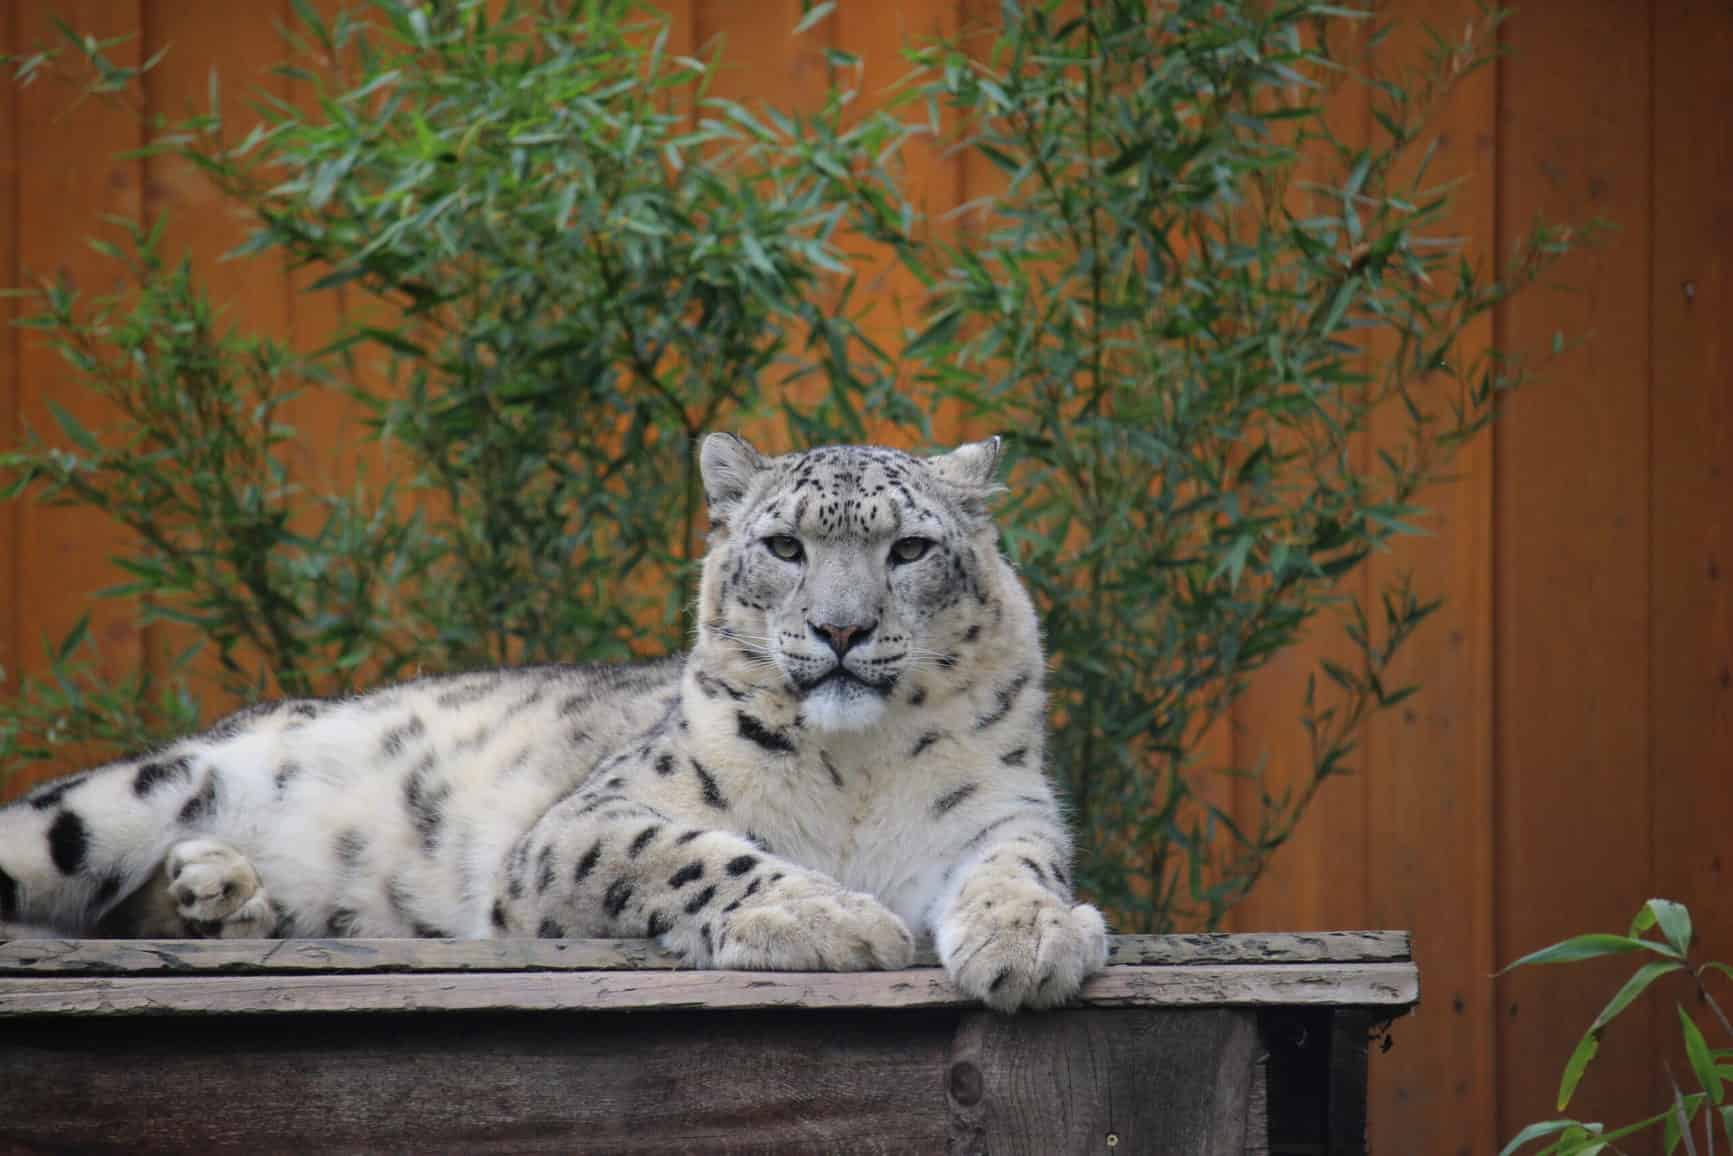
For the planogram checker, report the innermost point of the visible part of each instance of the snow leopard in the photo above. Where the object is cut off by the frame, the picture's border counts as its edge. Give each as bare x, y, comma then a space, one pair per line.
848, 761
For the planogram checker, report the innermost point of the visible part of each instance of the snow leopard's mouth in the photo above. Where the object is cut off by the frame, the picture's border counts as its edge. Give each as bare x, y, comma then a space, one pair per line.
843, 678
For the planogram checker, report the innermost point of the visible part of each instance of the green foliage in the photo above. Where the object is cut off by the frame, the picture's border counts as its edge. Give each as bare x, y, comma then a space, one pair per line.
565, 260
1190, 303
1710, 1068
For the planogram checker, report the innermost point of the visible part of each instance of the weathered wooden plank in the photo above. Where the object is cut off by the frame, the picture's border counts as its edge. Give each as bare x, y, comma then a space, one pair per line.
758, 1082
36, 956
1130, 1081
1392, 985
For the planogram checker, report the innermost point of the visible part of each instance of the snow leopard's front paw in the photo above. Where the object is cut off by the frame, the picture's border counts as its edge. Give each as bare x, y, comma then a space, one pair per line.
1011, 943
216, 892
814, 925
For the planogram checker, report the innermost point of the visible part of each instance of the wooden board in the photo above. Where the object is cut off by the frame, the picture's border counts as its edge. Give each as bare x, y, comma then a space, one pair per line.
757, 1083
263, 956
1168, 1083
1390, 985
1429, 762
1691, 486
11, 164
1572, 591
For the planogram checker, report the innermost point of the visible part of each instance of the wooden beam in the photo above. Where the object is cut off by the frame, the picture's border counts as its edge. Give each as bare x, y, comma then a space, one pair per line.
1386, 985
256, 956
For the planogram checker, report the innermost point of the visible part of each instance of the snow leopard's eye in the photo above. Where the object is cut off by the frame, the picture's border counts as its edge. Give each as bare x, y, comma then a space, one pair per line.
910, 549
784, 546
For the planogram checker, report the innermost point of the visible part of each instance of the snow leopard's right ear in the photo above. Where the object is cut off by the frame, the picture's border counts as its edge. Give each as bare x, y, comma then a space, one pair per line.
728, 465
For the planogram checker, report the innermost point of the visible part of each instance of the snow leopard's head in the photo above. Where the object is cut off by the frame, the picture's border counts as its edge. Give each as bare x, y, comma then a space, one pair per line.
854, 575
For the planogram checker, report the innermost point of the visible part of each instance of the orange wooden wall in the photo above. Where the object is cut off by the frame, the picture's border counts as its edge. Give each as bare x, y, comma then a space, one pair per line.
1572, 752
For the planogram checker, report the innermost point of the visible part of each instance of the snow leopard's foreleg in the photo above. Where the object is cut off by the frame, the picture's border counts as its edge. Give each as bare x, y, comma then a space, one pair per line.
607, 866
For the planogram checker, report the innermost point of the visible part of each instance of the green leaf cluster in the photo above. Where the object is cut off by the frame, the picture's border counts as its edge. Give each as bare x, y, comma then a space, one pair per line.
1712, 1068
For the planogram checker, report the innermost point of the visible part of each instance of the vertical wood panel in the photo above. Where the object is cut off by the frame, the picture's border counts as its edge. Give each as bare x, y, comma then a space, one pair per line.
10, 165
1429, 762
1318, 880
1572, 532
1691, 499
70, 181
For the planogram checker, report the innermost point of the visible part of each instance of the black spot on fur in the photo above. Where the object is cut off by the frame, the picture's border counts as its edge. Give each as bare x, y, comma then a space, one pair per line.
287, 773
341, 923
924, 742
698, 902
8, 896
50, 796
948, 801
152, 775
1015, 758
688, 836
349, 847
980, 836
972, 633
712, 793
588, 863
399, 736
686, 874
472, 693
643, 840
68, 842
1059, 873
1007, 695
428, 931
203, 803
835, 778
755, 731
658, 925
499, 915
759, 841
999, 980
551, 930
544, 870
425, 797
619, 894
664, 764
741, 864
1040, 875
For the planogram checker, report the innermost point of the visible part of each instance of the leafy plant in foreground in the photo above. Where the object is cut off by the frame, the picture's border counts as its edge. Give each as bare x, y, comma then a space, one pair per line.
1662, 932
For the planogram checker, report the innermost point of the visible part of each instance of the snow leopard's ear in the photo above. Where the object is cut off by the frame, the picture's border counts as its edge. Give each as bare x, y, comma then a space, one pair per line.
728, 465
971, 471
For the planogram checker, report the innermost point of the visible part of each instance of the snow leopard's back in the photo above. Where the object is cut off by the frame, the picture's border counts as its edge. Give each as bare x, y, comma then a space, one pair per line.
386, 814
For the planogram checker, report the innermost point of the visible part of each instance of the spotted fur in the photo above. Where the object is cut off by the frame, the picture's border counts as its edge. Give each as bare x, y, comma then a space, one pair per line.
849, 758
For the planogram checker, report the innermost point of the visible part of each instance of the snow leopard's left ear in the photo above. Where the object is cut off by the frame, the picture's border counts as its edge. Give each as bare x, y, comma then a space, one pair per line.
971, 471
728, 465
973, 464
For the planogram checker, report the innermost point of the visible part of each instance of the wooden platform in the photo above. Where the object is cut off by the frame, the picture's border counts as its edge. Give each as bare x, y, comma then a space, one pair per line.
1217, 1044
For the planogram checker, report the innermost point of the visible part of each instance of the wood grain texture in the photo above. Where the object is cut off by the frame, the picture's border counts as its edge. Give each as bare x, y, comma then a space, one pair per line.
1429, 762
1393, 985
1103, 1081
1691, 486
612, 1084
1572, 525
11, 167
39, 956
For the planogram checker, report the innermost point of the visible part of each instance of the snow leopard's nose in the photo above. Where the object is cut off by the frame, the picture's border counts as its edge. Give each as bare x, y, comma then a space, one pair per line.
842, 639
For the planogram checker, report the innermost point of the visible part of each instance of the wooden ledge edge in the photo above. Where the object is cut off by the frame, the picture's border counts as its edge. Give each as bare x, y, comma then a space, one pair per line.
39, 956
1392, 986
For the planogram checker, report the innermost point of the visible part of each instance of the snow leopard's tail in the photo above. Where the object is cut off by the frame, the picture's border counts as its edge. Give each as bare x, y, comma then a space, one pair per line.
72, 850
